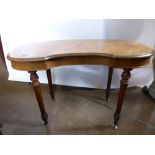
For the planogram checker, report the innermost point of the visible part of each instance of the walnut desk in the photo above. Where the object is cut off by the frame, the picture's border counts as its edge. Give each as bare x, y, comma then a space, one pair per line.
113, 53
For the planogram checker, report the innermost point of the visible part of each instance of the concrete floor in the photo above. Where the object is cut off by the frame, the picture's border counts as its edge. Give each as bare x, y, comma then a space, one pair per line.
74, 111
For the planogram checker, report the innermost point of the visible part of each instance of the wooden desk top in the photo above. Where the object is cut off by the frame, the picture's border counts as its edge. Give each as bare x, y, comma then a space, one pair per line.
64, 48
114, 53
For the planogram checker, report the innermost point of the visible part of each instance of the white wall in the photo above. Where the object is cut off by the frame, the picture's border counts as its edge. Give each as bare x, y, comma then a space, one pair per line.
142, 31
30, 30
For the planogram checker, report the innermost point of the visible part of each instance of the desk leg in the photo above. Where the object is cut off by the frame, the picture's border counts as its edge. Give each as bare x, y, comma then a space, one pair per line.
109, 83
126, 75
36, 86
49, 77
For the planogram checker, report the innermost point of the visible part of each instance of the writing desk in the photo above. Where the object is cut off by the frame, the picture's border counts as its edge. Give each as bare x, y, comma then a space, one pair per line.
113, 53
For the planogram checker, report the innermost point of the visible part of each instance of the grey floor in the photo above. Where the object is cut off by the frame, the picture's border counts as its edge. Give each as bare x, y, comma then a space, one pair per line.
74, 110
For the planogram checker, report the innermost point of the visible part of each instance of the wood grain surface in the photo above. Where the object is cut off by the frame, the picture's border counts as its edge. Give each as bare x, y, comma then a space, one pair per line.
113, 53
64, 48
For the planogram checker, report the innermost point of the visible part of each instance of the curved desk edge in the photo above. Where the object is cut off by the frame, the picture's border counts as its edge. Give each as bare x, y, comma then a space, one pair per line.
149, 54
81, 60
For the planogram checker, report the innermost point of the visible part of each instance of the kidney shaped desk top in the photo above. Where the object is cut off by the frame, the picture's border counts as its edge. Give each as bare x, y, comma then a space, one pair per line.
113, 53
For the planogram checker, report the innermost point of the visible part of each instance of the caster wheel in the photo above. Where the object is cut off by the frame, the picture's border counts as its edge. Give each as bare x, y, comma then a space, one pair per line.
108, 99
115, 127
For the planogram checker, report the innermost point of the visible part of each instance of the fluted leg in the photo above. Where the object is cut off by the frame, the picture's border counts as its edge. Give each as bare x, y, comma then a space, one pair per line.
126, 75
109, 83
36, 86
49, 77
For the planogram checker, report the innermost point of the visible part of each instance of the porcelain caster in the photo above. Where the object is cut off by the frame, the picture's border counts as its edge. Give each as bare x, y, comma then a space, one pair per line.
108, 99
115, 127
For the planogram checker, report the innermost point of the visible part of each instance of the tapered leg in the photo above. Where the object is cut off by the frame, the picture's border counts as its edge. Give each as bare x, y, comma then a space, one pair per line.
109, 83
36, 86
123, 86
49, 77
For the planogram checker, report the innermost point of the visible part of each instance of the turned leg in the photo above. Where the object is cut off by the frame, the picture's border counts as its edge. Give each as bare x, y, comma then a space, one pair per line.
36, 86
49, 77
109, 83
123, 86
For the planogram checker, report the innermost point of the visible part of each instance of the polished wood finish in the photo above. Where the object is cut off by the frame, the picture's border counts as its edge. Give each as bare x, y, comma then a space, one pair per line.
109, 83
82, 60
65, 48
49, 77
36, 85
126, 75
114, 53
